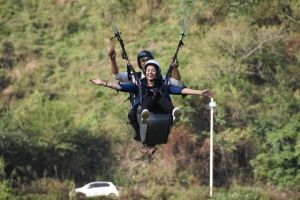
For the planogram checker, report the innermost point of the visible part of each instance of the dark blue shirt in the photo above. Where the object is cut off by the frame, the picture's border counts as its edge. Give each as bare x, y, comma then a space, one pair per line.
133, 88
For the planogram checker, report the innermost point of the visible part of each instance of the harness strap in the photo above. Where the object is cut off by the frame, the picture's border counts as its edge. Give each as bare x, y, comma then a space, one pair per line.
130, 72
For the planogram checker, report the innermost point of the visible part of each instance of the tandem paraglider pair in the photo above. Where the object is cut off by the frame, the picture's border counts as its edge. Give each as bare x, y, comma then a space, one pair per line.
152, 104
152, 113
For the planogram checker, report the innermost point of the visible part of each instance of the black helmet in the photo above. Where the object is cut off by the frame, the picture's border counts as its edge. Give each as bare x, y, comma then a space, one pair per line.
142, 54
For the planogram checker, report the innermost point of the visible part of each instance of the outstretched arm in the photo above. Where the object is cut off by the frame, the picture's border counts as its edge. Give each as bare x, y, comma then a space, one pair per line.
98, 81
206, 92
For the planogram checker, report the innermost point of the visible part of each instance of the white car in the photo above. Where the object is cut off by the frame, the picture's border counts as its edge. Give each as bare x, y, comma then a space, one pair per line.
99, 188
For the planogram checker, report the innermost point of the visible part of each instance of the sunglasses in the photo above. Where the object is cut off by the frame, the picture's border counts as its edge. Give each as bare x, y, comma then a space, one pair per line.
144, 59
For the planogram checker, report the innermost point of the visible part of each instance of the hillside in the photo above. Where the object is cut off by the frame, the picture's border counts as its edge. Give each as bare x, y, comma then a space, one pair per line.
58, 131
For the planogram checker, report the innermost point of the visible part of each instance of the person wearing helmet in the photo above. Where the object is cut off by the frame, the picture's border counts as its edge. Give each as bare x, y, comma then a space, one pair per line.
142, 57
155, 95
155, 98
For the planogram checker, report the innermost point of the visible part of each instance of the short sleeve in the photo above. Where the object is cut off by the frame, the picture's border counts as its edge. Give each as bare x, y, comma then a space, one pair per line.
175, 82
122, 77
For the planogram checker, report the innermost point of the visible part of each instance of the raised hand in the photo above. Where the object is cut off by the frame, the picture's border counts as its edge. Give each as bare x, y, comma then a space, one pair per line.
175, 63
112, 52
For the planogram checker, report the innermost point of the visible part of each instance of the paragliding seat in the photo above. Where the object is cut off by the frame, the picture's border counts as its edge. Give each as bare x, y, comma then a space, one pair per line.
157, 129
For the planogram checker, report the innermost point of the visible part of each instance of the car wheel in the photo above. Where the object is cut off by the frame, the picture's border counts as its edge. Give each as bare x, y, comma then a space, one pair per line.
112, 196
80, 196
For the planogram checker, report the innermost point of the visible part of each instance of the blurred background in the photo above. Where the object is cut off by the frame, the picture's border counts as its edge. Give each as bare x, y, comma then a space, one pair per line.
58, 131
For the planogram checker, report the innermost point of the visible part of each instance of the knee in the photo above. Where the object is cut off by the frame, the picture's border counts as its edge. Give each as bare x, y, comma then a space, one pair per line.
132, 115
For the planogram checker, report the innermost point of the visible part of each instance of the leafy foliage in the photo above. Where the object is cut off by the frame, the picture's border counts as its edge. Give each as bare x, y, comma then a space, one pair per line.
6, 191
42, 140
243, 193
279, 160
54, 124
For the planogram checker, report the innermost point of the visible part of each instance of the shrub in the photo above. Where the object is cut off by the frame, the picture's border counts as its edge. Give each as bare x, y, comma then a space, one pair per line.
6, 191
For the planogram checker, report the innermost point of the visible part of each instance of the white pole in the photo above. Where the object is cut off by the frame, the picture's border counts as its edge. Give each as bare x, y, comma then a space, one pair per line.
212, 105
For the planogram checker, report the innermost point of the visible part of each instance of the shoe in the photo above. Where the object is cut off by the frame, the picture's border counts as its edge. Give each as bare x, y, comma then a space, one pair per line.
152, 150
149, 149
177, 113
137, 138
144, 116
